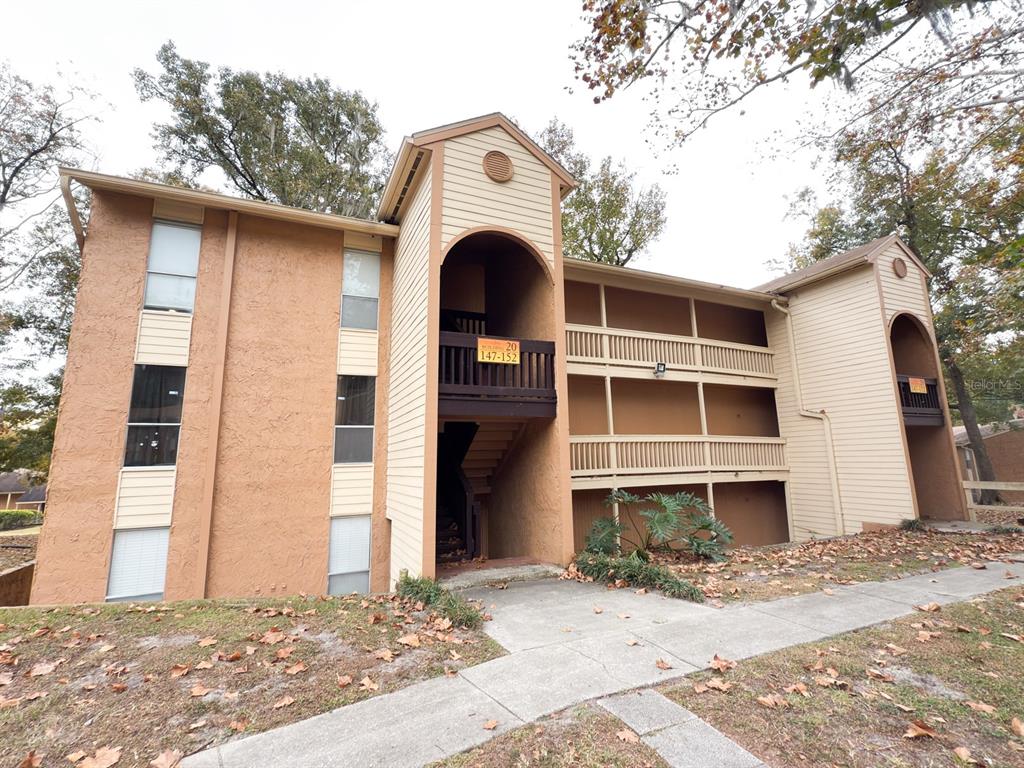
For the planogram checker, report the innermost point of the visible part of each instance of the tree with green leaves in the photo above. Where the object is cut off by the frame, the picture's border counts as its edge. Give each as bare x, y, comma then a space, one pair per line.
296, 141
938, 62
964, 216
606, 218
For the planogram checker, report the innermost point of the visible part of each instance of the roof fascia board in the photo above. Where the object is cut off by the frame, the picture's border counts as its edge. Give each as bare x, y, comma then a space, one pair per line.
226, 202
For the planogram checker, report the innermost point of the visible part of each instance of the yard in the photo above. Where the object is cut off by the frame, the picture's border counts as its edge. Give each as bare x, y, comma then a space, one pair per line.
95, 683
939, 688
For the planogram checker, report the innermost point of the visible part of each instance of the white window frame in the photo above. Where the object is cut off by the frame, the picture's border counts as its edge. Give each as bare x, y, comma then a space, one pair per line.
194, 278
375, 295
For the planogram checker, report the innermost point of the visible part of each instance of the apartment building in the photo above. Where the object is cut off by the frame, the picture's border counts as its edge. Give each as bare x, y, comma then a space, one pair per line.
264, 400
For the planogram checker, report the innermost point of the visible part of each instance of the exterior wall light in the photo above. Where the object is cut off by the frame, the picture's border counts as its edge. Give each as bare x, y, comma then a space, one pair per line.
659, 370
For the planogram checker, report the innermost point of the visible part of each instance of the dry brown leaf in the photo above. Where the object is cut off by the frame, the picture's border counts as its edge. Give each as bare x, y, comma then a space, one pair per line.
179, 670
413, 640
632, 641
296, 668
798, 688
198, 690
490, 725
627, 736
700, 688
718, 684
1017, 726
928, 607
104, 758
721, 664
44, 667
238, 725
284, 701
207, 641
284, 653
31, 760
169, 758
964, 755
344, 681
979, 706
272, 636
662, 664
366, 684
204, 664
918, 730
773, 701
74, 757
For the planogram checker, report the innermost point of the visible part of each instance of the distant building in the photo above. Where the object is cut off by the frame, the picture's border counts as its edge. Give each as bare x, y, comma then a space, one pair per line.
265, 400
13, 486
1004, 444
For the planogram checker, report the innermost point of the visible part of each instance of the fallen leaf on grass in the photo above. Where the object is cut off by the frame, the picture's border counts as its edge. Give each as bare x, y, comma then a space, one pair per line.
284, 653
1017, 726
272, 636
978, 706
700, 688
179, 670
198, 690
413, 640
366, 684
296, 668
204, 665
490, 725
104, 758
874, 673
6, 678
918, 730
44, 667
721, 664
385, 654
344, 681
74, 757
924, 636
894, 649
963, 754
718, 684
238, 725
928, 607
798, 688
169, 758
662, 664
284, 701
627, 736
207, 641
773, 701
32, 760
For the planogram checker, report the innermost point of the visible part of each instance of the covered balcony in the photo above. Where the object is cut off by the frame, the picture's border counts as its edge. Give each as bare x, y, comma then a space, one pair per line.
919, 400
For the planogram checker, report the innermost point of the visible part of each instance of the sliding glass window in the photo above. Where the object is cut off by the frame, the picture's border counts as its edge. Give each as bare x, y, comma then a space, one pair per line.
353, 419
173, 266
360, 290
154, 418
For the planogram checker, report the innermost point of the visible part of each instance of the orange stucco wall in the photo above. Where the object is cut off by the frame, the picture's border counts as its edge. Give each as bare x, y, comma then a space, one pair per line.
88, 449
588, 414
748, 411
655, 407
643, 311
726, 323
277, 424
582, 303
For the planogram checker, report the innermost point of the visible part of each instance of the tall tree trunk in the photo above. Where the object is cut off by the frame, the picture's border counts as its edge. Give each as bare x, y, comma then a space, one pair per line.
970, 418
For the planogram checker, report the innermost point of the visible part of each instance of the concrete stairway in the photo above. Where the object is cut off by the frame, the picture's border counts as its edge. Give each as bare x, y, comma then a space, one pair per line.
489, 447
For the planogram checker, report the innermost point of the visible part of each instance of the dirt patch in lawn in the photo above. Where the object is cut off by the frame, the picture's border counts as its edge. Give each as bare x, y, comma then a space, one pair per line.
16, 550
581, 737
185, 676
765, 573
909, 693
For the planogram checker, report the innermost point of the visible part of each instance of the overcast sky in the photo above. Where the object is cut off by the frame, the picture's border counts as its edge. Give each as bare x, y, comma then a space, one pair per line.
427, 64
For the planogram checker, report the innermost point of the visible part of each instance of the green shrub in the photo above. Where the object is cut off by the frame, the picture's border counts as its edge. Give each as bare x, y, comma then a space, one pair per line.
445, 602
663, 522
1006, 529
912, 524
18, 518
638, 573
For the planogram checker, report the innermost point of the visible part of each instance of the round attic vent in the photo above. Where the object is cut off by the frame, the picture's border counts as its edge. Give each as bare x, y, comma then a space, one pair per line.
899, 266
497, 166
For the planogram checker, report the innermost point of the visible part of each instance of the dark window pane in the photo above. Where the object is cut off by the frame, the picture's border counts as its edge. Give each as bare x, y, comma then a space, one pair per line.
358, 312
353, 445
355, 401
151, 446
157, 393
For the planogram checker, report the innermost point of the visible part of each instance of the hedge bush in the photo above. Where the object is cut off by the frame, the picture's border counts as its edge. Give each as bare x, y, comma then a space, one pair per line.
445, 602
638, 573
18, 518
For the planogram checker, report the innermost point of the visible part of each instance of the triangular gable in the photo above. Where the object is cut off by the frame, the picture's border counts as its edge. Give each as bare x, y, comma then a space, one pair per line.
895, 239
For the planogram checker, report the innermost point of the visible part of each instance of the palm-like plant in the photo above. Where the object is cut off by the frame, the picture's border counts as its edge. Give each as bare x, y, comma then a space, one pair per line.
683, 518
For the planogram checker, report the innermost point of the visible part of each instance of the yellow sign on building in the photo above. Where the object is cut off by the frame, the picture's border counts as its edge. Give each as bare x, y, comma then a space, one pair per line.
497, 351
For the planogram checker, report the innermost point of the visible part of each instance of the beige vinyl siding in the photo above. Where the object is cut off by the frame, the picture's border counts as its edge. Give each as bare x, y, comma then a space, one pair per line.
144, 497
842, 347
163, 337
407, 385
906, 294
810, 485
357, 352
351, 489
471, 199
360, 242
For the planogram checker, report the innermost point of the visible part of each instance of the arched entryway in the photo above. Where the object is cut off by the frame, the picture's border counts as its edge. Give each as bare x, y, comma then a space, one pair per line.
929, 444
497, 462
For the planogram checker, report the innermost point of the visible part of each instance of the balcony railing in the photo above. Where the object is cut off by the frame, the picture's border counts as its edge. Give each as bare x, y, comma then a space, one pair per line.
467, 387
605, 455
615, 346
920, 408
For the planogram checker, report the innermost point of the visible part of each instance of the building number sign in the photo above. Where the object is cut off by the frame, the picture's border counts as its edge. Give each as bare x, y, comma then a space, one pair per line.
918, 386
497, 351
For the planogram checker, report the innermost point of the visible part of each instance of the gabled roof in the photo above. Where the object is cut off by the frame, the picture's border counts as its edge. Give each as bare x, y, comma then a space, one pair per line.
410, 156
34, 494
14, 482
961, 437
819, 270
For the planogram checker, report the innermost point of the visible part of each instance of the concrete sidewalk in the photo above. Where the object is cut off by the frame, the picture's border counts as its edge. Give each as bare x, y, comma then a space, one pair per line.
571, 642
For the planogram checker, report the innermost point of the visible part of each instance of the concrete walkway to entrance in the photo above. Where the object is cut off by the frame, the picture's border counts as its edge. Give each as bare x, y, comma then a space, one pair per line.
571, 642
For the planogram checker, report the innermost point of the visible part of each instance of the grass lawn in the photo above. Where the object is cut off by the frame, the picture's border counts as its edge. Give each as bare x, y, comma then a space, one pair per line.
765, 573
943, 688
16, 549
151, 677
581, 737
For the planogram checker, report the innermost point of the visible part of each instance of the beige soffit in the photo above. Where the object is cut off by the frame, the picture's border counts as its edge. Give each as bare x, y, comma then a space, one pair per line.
639, 279
103, 181
400, 179
833, 265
